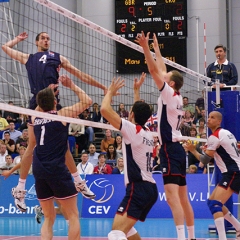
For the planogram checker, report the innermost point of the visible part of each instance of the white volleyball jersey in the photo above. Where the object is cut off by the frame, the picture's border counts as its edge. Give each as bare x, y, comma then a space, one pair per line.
137, 150
170, 113
227, 156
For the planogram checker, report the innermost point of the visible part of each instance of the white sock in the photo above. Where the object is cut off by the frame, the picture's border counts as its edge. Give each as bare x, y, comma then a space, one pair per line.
230, 218
180, 232
117, 235
219, 222
21, 184
191, 232
76, 177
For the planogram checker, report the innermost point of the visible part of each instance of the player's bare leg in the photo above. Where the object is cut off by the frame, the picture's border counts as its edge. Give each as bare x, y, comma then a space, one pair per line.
69, 206
188, 211
49, 218
174, 202
121, 226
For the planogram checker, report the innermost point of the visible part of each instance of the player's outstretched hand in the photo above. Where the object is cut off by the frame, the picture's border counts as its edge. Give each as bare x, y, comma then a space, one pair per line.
141, 39
138, 82
188, 146
66, 81
22, 36
6, 174
116, 85
155, 42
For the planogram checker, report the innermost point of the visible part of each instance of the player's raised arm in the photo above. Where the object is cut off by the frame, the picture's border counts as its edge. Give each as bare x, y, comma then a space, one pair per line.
17, 55
137, 85
84, 103
106, 108
81, 75
158, 54
153, 67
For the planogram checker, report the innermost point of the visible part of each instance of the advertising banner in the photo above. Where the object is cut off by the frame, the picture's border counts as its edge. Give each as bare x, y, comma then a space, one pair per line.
110, 190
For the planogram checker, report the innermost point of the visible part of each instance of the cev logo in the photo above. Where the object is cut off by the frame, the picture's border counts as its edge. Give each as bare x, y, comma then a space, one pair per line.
31, 193
104, 190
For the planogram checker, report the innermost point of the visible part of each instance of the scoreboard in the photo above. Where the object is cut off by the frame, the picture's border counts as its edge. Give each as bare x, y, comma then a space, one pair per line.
166, 18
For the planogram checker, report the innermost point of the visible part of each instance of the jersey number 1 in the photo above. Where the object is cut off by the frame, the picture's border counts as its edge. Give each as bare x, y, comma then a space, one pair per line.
42, 135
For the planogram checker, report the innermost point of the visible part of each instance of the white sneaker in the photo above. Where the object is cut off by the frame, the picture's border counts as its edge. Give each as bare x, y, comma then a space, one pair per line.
238, 235
84, 190
19, 200
38, 213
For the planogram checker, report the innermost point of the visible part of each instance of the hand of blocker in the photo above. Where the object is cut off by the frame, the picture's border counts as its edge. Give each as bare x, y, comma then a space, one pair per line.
188, 146
66, 81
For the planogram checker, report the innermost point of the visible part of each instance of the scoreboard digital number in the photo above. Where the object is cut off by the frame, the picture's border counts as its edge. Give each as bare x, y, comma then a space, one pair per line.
166, 18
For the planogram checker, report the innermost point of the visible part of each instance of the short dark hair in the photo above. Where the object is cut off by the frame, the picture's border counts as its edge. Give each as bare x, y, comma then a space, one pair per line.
142, 112
84, 153
220, 46
201, 120
37, 37
102, 154
7, 132
45, 99
177, 78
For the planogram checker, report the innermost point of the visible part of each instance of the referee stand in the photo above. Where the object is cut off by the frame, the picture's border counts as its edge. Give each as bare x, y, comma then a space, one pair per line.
231, 119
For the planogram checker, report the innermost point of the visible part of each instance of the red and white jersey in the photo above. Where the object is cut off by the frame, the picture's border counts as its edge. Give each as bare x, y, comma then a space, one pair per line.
227, 156
170, 112
137, 150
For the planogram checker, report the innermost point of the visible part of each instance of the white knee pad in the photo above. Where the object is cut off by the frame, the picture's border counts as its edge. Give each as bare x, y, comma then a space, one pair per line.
131, 232
117, 235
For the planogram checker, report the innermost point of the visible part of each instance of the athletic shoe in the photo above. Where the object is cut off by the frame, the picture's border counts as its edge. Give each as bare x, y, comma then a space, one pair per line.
238, 235
38, 213
84, 190
19, 201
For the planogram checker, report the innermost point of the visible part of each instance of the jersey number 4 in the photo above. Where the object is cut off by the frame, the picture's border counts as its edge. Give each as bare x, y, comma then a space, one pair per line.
43, 58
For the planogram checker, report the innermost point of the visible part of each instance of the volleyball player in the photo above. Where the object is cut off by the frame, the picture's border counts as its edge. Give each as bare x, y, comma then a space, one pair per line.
222, 146
43, 71
141, 189
43, 67
52, 178
172, 154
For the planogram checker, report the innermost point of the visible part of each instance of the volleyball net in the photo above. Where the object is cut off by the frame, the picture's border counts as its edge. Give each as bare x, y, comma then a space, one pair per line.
88, 46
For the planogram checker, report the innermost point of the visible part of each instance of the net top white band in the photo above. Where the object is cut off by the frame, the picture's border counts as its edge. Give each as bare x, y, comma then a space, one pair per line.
25, 111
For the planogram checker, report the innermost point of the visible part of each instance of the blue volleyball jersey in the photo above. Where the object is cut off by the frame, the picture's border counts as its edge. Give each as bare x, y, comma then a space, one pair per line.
42, 68
51, 146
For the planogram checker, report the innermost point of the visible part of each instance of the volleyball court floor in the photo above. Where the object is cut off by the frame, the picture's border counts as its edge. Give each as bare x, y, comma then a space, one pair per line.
26, 228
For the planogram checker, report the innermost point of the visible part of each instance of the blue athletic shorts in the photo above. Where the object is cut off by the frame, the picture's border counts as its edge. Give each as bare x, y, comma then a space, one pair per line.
139, 199
232, 180
173, 159
59, 188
